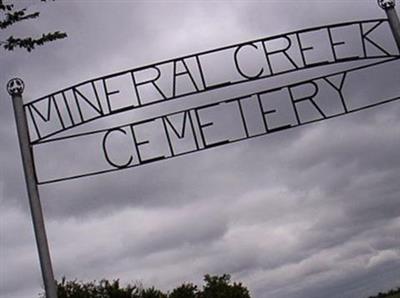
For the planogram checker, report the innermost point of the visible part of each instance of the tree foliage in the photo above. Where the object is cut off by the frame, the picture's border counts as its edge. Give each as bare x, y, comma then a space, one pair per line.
391, 294
221, 287
214, 287
185, 291
11, 15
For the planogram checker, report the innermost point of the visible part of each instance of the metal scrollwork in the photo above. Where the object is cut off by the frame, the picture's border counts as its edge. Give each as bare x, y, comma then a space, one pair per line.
15, 86
386, 4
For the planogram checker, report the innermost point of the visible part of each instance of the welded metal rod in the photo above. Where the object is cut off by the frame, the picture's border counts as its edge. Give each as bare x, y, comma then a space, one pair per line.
15, 88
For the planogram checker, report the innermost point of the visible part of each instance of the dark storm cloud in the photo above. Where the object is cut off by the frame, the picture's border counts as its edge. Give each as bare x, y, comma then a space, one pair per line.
309, 212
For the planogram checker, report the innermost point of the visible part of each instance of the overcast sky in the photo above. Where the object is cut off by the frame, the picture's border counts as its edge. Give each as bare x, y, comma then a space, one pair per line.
309, 212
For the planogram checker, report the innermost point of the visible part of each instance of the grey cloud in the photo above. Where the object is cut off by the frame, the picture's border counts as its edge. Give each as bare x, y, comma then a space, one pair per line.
294, 214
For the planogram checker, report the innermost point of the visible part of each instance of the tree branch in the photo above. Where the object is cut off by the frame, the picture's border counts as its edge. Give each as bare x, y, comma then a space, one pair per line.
17, 16
6, 7
30, 43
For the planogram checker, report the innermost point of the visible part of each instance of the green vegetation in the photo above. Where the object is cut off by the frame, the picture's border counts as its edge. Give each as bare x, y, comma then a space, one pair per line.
214, 287
390, 294
10, 16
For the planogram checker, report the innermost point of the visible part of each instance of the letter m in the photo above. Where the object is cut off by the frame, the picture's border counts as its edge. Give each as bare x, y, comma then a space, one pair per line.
43, 118
179, 134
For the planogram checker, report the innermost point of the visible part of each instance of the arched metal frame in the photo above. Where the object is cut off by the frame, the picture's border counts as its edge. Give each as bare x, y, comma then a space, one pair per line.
31, 109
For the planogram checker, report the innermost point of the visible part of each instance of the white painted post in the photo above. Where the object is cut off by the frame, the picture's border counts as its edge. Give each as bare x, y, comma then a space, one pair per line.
15, 88
389, 7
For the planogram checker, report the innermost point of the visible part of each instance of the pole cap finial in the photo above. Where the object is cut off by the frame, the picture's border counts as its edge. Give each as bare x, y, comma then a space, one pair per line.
386, 4
15, 86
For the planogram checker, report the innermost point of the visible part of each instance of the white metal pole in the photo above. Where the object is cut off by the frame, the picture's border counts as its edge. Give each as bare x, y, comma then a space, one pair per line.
389, 7
15, 88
